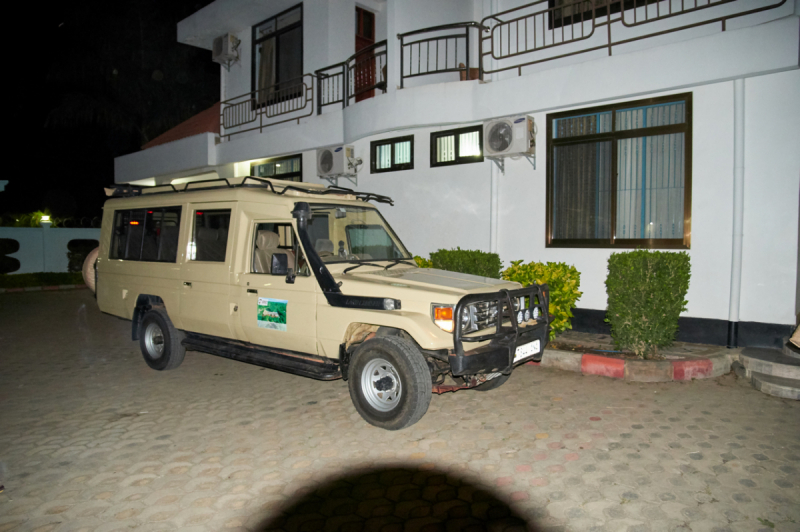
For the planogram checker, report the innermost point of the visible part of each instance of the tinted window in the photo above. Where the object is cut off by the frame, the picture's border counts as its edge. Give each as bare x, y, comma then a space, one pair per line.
146, 234
210, 235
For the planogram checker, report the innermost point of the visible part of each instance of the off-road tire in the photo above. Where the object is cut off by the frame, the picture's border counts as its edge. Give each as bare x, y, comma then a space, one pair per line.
493, 384
157, 330
408, 364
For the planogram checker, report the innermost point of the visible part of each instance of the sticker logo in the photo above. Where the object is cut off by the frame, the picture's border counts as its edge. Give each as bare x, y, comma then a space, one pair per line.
518, 120
272, 313
337, 150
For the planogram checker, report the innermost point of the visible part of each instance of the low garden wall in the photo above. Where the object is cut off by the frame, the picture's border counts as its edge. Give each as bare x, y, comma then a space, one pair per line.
45, 249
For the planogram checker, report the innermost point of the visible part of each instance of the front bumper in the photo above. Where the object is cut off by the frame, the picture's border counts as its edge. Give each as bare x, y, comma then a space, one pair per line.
498, 354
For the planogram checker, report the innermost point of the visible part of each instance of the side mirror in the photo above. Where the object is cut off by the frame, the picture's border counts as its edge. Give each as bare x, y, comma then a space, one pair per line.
280, 264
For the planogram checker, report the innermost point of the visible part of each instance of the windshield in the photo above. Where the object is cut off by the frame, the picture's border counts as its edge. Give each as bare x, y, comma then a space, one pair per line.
350, 234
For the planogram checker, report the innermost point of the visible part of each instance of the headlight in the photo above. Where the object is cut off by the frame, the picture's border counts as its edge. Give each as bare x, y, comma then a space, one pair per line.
442, 316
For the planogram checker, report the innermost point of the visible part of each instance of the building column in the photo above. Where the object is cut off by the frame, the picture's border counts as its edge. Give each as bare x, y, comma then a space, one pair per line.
738, 212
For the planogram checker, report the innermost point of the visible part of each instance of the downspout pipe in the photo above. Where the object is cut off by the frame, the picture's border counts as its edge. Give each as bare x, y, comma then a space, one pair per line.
738, 213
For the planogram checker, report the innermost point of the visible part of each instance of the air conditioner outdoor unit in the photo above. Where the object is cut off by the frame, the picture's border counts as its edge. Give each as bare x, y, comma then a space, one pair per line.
225, 49
509, 137
337, 161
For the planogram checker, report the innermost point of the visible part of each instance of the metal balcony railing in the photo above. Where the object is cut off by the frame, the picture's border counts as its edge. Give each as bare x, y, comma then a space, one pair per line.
365, 72
522, 36
437, 50
282, 102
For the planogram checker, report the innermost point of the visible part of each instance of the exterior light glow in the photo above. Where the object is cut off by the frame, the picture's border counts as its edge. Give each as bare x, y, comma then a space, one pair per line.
46, 218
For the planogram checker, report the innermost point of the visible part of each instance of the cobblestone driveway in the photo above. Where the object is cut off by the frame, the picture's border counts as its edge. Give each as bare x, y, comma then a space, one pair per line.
92, 439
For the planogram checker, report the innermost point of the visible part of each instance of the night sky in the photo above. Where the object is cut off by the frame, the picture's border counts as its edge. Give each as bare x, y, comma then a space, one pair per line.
106, 78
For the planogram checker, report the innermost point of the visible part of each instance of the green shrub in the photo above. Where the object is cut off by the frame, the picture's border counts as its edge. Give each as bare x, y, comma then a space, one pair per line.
22, 280
563, 282
422, 263
468, 261
646, 294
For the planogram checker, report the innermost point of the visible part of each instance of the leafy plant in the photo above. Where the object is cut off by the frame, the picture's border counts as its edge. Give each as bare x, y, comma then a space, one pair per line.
31, 219
471, 261
646, 294
423, 263
563, 281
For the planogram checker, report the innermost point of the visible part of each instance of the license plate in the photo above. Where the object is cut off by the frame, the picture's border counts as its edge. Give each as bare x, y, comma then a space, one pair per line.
524, 351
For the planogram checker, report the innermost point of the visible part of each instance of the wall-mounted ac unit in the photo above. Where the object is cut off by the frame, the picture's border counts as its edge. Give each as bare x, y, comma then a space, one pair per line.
509, 137
336, 161
225, 49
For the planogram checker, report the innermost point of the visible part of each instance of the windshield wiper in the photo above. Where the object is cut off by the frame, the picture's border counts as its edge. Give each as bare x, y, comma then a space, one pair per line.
395, 262
359, 265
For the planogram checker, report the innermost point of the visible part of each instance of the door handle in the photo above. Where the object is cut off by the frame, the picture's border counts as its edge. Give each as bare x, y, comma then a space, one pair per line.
251, 291
187, 283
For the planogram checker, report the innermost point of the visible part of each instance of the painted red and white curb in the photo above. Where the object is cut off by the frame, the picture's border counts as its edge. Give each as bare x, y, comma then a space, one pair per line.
715, 364
43, 288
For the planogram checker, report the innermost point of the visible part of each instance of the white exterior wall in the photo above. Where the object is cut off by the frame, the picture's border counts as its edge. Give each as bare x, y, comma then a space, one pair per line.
450, 206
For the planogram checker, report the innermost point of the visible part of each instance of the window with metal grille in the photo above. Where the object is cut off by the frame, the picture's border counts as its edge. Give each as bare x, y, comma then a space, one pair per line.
287, 168
457, 146
620, 175
391, 155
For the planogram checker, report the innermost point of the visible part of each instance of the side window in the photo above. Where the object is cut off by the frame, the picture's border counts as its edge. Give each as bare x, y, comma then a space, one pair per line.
146, 234
271, 238
457, 146
210, 235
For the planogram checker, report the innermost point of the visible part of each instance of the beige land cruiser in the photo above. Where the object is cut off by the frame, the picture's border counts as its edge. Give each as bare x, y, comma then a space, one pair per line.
312, 281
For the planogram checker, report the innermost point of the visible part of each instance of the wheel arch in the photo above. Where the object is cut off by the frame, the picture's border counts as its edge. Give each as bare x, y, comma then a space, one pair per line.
357, 333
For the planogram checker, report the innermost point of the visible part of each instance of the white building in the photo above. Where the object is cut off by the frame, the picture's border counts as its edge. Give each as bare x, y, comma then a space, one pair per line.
693, 106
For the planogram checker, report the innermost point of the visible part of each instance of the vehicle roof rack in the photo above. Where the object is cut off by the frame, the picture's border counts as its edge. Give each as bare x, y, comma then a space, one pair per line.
128, 190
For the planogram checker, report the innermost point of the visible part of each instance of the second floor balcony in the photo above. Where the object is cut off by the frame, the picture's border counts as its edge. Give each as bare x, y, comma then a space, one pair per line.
515, 42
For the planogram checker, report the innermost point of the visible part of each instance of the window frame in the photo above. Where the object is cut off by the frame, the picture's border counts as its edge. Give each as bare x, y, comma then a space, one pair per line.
255, 42
118, 214
192, 257
456, 133
373, 151
298, 174
613, 136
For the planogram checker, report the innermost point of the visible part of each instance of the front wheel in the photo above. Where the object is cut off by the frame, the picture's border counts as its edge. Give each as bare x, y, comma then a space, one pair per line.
390, 383
160, 341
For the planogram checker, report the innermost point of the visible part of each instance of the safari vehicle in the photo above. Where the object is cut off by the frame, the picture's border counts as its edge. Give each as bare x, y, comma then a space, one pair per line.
310, 280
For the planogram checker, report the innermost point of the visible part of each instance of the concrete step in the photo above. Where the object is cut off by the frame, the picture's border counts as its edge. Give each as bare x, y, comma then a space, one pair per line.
769, 362
790, 350
777, 386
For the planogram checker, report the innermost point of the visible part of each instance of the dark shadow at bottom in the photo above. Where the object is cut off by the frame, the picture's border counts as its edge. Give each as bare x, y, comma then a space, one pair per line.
396, 499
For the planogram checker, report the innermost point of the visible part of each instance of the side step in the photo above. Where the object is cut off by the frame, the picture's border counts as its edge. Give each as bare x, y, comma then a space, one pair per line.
777, 386
770, 362
313, 366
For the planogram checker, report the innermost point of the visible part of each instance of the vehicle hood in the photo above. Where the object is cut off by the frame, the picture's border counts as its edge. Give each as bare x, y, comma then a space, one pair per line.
399, 279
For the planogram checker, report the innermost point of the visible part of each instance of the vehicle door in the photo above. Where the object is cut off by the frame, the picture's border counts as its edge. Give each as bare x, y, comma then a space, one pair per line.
272, 311
206, 271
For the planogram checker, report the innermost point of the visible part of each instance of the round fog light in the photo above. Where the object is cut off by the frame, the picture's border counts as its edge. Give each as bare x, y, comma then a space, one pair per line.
535, 313
527, 314
519, 316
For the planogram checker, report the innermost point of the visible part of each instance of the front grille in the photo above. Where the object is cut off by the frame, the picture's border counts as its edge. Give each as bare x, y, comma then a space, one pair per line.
484, 315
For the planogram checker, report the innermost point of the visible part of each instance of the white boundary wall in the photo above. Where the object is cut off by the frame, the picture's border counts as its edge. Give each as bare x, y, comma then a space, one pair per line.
44, 249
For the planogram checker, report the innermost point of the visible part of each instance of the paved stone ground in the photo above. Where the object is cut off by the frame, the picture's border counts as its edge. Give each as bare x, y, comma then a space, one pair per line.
92, 439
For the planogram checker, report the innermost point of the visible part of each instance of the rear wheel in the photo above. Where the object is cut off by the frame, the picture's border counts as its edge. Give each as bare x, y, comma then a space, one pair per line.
160, 341
494, 383
390, 383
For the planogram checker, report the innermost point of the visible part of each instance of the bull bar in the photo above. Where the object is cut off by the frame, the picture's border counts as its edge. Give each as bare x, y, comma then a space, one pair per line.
498, 354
